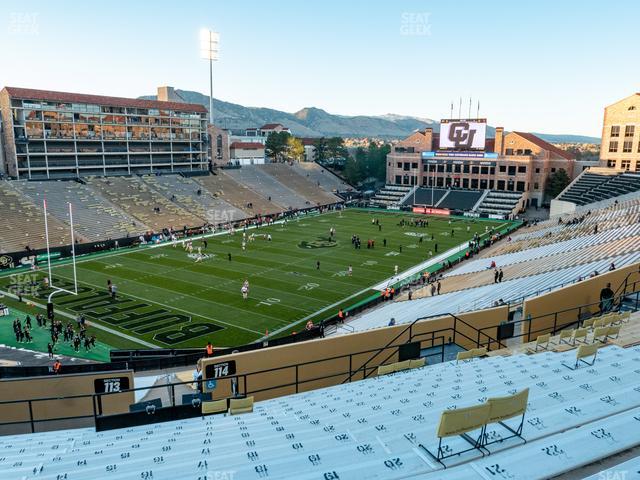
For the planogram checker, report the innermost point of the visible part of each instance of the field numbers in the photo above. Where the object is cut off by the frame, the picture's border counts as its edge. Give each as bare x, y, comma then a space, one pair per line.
308, 286
269, 301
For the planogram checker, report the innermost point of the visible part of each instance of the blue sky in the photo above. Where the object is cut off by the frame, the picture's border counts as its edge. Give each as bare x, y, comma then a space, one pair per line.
544, 66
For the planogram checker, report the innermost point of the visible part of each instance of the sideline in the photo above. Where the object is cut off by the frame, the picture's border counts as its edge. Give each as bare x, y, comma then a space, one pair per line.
93, 324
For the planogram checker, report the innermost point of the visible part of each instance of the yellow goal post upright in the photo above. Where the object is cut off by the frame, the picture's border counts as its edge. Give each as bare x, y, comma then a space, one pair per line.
56, 289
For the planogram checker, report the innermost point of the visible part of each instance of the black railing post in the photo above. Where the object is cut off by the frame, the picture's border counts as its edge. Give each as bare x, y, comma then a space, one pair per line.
33, 426
350, 367
296, 378
93, 403
529, 321
173, 395
99, 404
555, 322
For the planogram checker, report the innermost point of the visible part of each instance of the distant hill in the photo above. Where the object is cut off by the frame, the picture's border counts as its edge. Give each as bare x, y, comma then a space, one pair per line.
315, 122
559, 138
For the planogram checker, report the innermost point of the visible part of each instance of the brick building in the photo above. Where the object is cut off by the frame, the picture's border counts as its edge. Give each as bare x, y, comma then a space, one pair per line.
50, 134
514, 161
620, 147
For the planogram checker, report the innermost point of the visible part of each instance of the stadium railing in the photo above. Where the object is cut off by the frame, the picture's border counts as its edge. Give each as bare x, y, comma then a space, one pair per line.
439, 339
583, 313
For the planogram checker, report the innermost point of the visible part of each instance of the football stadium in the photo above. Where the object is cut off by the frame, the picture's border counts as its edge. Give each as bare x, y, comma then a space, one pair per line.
192, 289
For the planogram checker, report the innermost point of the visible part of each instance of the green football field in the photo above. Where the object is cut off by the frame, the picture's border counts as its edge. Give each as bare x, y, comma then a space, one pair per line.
167, 299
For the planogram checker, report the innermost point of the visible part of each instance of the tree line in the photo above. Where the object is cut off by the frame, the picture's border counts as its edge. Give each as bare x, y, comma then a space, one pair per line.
365, 164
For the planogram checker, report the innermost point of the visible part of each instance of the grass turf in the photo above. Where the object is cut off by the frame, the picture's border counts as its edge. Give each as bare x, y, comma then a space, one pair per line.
168, 299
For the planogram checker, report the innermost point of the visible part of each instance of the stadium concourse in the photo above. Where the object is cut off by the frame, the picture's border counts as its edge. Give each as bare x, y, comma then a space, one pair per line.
537, 259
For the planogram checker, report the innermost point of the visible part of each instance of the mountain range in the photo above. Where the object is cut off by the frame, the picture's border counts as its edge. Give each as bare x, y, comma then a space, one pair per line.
315, 122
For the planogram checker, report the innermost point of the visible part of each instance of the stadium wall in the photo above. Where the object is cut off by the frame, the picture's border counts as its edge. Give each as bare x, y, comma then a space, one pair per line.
568, 301
272, 372
56, 387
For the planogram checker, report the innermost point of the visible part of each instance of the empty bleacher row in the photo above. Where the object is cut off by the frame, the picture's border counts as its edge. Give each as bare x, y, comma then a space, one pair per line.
426, 196
119, 206
139, 200
603, 238
312, 192
94, 217
321, 177
239, 195
604, 219
191, 196
460, 199
454, 281
594, 187
378, 428
266, 185
485, 296
391, 196
23, 223
500, 203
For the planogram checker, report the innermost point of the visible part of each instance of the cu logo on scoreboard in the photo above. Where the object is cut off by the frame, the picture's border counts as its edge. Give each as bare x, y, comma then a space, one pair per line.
461, 134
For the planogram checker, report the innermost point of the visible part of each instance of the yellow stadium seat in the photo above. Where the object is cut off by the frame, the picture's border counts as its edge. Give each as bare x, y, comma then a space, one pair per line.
215, 406
399, 366
460, 422
504, 408
580, 335
386, 369
614, 331
565, 336
588, 323
240, 405
600, 334
417, 363
585, 351
542, 343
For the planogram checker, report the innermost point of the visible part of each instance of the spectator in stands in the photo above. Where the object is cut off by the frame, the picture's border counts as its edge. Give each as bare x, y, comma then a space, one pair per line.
309, 325
612, 267
606, 298
438, 286
392, 322
495, 276
197, 377
500, 275
209, 349
50, 350
57, 367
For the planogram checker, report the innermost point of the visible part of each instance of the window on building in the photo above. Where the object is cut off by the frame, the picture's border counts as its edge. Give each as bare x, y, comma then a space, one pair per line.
613, 147
553, 170
536, 186
475, 169
627, 146
500, 184
520, 186
611, 163
399, 165
625, 164
615, 131
407, 166
509, 151
503, 168
512, 170
465, 183
398, 179
629, 130
537, 170
522, 169
465, 168
414, 165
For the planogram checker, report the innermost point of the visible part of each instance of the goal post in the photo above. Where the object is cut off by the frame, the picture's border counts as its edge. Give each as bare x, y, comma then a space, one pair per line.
56, 289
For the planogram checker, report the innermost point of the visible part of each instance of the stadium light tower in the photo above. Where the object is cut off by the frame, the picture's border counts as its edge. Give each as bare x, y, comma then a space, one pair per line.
209, 41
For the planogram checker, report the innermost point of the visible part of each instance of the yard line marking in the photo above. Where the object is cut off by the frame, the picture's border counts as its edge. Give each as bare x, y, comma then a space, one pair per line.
170, 307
